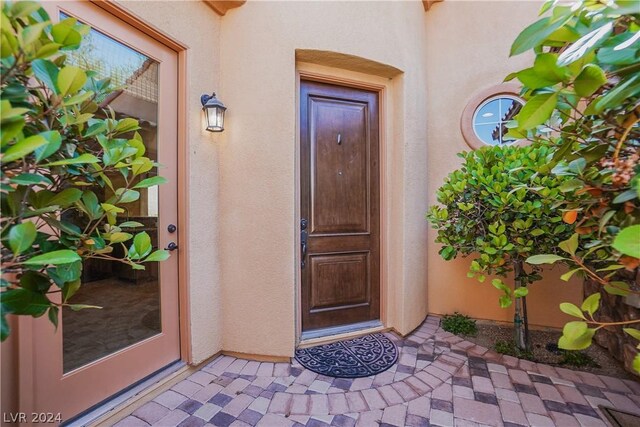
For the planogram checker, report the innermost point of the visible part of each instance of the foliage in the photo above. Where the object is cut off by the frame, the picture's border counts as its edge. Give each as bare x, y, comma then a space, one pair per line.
510, 349
69, 169
459, 324
582, 92
578, 359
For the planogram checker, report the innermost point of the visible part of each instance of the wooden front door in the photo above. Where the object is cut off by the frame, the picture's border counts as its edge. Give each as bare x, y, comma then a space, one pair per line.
340, 205
95, 354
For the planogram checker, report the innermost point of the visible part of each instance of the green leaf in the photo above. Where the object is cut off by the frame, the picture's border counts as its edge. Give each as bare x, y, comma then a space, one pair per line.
69, 289
590, 79
63, 256
591, 304
625, 196
127, 196
47, 72
127, 125
505, 301
617, 288
585, 44
81, 159
32, 32
71, 79
566, 276
142, 245
24, 8
66, 197
64, 273
571, 310
573, 330
54, 141
30, 179
578, 343
537, 110
53, 316
531, 79
570, 245
636, 363
64, 33
571, 185
24, 302
120, 237
78, 307
130, 224
4, 325
21, 237
22, 148
627, 241
521, 292
150, 182
159, 255
633, 332
543, 259
535, 34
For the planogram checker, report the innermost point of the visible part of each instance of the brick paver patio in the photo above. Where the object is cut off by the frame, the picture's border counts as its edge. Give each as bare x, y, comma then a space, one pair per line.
439, 379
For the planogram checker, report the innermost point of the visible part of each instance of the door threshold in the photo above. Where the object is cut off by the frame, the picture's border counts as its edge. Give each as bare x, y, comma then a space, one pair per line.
111, 404
334, 333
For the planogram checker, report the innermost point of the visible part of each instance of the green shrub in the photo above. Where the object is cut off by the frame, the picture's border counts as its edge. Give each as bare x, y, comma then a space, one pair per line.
68, 168
459, 324
577, 359
497, 207
510, 349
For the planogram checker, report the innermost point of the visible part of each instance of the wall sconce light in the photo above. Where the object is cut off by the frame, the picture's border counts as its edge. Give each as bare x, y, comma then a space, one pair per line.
214, 110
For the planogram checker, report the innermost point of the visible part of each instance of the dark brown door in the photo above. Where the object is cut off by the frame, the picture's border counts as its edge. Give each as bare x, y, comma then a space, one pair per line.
340, 205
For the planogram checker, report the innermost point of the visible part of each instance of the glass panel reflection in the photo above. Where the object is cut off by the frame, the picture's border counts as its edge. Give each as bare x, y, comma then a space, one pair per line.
491, 118
130, 298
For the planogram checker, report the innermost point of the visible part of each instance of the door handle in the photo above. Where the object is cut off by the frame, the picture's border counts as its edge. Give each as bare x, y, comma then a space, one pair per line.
172, 246
303, 241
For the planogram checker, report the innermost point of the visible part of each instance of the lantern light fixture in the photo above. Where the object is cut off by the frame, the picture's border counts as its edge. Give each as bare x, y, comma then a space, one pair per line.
214, 112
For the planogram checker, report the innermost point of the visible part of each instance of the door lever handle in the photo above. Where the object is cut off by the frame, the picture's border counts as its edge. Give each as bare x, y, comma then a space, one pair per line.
171, 246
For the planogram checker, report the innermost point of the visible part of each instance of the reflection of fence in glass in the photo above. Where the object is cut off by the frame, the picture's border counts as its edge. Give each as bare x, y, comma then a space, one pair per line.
130, 71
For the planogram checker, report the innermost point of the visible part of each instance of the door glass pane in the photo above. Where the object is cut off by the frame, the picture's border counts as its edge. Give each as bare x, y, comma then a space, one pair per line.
130, 299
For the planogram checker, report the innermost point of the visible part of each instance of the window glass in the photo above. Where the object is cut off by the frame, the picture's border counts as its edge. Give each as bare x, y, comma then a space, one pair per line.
491, 117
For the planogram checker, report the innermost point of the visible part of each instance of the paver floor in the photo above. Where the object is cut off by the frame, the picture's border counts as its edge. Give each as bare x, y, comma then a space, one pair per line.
439, 380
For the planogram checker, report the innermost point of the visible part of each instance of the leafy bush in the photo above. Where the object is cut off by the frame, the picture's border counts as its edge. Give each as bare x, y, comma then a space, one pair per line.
577, 359
68, 168
584, 86
499, 207
459, 324
510, 349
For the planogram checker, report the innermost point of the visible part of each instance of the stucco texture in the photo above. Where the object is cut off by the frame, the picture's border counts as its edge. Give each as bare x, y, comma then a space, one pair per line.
194, 24
468, 50
258, 158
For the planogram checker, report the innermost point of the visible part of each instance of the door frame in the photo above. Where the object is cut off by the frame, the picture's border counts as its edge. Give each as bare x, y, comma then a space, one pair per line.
383, 87
26, 325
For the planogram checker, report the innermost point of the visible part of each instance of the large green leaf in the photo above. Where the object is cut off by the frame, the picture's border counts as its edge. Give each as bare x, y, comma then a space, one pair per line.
21, 237
63, 256
22, 148
577, 343
590, 79
571, 310
570, 245
66, 197
159, 255
81, 159
65, 33
537, 110
71, 79
627, 241
585, 44
536, 33
47, 72
591, 303
25, 302
150, 182
54, 141
543, 259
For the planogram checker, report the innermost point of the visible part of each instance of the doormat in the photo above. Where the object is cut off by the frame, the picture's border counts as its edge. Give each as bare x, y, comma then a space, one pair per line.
355, 358
618, 418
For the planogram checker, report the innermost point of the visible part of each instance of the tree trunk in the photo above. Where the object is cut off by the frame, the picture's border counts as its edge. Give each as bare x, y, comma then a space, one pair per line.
520, 321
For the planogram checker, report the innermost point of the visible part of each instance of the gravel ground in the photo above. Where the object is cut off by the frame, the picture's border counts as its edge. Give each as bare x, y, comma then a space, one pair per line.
489, 333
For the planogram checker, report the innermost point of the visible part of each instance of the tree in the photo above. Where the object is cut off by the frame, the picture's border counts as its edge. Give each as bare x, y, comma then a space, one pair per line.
498, 207
584, 86
60, 159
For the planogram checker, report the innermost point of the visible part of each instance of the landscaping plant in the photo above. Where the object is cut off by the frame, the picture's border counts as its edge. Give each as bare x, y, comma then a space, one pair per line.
459, 324
583, 93
62, 157
498, 208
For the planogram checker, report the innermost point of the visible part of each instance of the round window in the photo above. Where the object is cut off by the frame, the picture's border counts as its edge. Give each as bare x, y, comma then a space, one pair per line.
484, 119
491, 117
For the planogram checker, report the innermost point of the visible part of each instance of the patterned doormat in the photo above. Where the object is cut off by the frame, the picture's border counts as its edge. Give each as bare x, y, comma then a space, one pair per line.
355, 358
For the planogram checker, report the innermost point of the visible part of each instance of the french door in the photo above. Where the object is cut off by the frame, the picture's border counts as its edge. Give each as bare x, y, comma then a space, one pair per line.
94, 353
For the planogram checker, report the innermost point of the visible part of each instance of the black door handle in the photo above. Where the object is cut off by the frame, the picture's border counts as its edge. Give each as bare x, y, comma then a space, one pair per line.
171, 246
